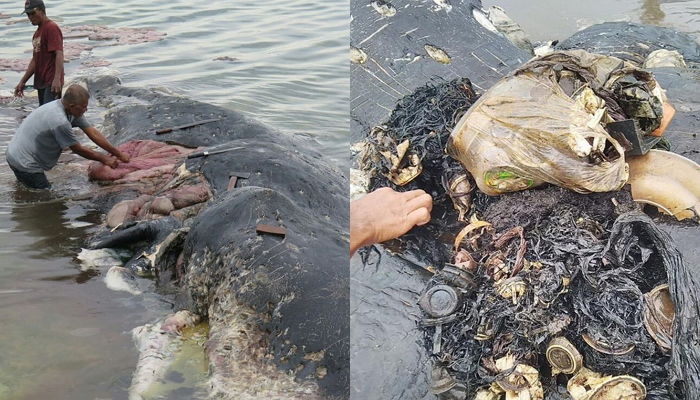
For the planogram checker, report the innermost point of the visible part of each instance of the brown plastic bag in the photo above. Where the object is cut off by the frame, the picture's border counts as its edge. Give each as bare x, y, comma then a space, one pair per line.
527, 130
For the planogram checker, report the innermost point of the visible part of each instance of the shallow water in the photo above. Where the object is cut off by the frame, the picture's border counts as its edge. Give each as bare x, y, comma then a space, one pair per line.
551, 20
62, 332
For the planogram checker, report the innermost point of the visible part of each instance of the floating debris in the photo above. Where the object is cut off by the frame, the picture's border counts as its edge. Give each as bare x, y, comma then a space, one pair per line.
14, 64
225, 58
73, 50
96, 63
120, 35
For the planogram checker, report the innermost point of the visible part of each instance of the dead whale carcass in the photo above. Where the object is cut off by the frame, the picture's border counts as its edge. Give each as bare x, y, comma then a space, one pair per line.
292, 286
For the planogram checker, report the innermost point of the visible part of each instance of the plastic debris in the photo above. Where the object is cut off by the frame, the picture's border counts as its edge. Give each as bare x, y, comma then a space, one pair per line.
659, 312
563, 356
668, 181
546, 123
664, 58
588, 385
509, 28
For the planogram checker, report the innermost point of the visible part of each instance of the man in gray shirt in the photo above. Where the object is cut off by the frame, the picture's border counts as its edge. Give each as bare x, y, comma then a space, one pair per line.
48, 131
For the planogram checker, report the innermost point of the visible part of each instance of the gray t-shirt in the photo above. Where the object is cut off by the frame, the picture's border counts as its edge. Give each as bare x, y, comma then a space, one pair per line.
42, 136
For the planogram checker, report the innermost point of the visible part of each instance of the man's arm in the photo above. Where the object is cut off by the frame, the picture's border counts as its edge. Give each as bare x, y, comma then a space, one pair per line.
101, 141
93, 155
19, 89
57, 85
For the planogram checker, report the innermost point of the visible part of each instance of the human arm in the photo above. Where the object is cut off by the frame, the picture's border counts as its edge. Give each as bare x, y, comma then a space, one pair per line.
386, 214
19, 89
101, 141
57, 84
93, 155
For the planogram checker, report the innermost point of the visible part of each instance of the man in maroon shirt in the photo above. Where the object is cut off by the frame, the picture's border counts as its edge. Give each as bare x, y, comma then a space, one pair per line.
47, 57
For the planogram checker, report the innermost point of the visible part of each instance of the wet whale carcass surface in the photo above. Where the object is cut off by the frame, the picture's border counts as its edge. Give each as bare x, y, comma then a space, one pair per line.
404, 283
276, 304
396, 47
631, 42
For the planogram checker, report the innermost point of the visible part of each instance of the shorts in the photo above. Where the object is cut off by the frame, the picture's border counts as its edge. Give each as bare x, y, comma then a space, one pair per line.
46, 95
34, 180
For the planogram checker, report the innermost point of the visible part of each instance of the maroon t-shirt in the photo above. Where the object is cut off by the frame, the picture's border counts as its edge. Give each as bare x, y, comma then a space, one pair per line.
46, 41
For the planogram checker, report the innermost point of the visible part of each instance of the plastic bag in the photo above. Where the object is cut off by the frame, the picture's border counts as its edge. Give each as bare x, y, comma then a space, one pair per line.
544, 123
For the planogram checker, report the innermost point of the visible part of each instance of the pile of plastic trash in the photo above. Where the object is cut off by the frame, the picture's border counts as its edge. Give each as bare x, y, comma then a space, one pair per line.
543, 291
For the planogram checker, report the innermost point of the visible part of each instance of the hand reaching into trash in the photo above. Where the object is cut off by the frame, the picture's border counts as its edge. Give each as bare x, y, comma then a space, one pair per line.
386, 214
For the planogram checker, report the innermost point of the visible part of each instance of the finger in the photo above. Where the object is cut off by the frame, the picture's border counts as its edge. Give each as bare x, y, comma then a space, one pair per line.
411, 194
420, 216
422, 201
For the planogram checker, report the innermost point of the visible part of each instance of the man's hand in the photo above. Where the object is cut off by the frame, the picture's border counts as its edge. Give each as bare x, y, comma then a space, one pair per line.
123, 157
57, 87
110, 162
19, 90
386, 214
